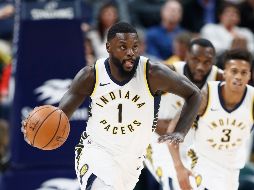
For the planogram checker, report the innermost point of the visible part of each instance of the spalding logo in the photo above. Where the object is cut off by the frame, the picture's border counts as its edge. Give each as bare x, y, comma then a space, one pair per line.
52, 90
60, 184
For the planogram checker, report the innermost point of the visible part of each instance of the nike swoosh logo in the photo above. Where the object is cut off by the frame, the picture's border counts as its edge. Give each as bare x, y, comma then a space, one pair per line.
101, 84
214, 109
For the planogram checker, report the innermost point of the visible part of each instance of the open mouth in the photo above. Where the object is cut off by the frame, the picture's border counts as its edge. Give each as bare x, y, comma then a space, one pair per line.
129, 64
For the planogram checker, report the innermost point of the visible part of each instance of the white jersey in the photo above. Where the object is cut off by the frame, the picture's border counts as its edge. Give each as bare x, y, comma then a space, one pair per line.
170, 103
122, 113
222, 135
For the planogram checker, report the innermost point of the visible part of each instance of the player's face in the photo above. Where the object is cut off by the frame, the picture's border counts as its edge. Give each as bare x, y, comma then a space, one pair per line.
200, 60
237, 74
123, 50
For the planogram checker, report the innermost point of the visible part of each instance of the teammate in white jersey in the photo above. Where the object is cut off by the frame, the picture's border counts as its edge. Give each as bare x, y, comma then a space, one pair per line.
224, 126
124, 91
199, 68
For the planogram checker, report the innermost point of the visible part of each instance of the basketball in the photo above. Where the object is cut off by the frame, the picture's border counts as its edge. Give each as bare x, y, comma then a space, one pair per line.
47, 127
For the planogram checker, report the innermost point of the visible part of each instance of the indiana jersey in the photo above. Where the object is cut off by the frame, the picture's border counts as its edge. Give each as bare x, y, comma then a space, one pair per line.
171, 103
122, 113
222, 134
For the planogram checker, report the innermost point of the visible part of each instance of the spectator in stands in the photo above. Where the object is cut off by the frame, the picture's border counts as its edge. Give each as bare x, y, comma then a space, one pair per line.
107, 16
180, 48
5, 73
159, 39
141, 8
4, 144
6, 19
89, 52
197, 13
143, 46
222, 35
247, 14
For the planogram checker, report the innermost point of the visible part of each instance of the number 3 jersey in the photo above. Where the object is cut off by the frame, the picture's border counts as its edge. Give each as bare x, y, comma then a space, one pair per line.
123, 114
222, 134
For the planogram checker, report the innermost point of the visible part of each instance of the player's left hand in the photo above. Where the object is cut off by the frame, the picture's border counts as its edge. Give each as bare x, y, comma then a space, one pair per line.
23, 130
175, 138
183, 175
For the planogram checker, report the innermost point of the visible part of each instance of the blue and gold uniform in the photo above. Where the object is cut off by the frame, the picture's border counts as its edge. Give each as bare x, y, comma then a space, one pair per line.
122, 118
221, 138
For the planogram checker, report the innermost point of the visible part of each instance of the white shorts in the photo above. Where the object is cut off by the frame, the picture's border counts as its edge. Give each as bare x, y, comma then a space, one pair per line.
214, 176
160, 164
93, 161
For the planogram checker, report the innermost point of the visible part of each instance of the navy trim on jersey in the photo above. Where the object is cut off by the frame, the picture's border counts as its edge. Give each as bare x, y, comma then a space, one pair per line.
90, 181
120, 83
157, 100
94, 72
222, 101
147, 74
170, 183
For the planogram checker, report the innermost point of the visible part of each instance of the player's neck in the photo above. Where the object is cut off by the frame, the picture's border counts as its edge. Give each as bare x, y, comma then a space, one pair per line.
231, 98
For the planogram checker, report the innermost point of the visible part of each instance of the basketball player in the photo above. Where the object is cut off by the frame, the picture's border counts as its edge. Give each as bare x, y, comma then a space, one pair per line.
125, 91
199, 68
224, 126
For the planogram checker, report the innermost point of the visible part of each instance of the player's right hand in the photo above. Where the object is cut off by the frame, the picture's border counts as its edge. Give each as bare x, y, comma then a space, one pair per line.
183, 175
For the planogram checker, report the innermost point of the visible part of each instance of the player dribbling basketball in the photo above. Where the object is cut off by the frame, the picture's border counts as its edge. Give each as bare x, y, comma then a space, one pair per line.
125, 91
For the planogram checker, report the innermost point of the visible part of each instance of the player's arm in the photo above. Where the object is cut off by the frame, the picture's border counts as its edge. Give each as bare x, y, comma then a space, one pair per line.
161, 78
82, 86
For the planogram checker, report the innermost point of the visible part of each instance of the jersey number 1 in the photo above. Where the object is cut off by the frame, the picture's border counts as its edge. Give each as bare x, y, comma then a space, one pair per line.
120, 110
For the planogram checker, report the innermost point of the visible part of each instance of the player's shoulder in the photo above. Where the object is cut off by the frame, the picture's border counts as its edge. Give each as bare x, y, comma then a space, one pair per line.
250, 88
86, 75
88, 71
214, 83
219, 73
155, 68
179, 65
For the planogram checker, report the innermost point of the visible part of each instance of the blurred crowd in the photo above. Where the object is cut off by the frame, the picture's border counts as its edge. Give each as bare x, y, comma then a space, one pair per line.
165, 28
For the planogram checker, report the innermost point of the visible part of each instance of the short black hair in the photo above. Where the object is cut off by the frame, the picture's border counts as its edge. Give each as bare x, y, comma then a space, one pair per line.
120, 27
241, 54
226, 5
201, 42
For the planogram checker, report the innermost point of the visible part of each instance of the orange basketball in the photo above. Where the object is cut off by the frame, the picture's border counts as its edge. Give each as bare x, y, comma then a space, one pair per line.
47, 127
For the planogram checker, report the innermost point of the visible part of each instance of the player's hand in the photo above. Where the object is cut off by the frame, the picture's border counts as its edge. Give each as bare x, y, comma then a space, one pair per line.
23, 130
175, 138
183, 175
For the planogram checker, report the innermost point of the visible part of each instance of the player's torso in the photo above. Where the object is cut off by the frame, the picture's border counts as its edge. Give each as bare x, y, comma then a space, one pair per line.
122, 112
221, 134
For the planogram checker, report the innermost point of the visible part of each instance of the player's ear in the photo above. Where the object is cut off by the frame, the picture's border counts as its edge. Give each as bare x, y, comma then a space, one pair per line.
225, 71
108, 47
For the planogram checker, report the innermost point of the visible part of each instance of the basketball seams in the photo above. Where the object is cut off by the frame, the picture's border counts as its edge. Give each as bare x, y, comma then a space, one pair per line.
44, 107
55, 131
42, 124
